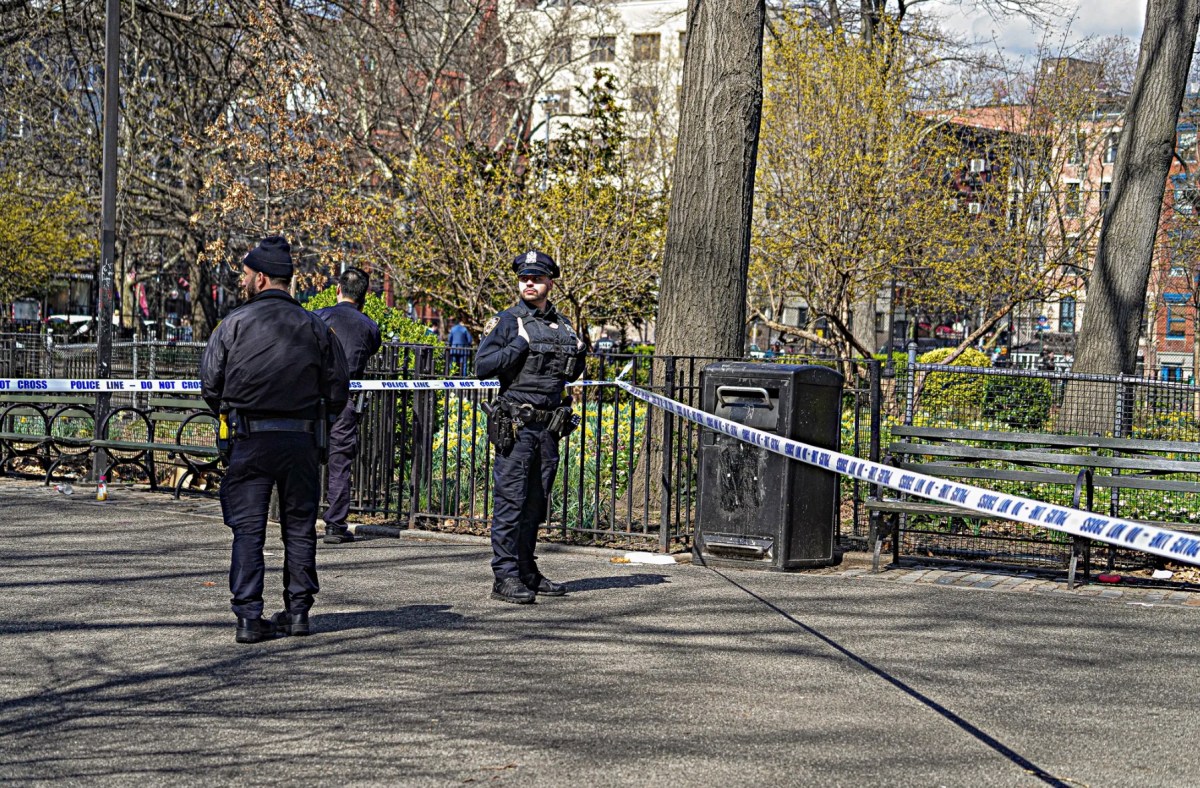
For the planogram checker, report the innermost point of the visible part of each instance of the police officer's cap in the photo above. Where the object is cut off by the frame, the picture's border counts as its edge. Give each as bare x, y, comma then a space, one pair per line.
535, 264
272, 256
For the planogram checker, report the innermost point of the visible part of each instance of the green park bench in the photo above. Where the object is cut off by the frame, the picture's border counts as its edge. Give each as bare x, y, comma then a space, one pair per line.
1079, 462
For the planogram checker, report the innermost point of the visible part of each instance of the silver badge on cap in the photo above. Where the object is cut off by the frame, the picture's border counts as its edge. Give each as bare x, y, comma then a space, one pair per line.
530, 258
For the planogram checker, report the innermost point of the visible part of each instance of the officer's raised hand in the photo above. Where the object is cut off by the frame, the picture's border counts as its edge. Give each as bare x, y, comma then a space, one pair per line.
521, 332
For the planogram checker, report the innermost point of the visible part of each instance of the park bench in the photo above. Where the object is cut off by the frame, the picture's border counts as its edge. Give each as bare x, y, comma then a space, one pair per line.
182, 429
50, 429
1079, 462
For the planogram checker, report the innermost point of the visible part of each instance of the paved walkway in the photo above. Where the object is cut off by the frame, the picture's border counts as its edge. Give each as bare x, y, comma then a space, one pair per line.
118, 666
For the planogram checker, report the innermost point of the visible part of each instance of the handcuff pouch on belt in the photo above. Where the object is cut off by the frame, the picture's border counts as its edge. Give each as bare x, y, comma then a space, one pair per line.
563, 421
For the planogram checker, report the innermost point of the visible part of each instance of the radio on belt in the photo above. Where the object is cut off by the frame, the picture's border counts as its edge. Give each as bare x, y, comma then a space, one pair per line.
756, 508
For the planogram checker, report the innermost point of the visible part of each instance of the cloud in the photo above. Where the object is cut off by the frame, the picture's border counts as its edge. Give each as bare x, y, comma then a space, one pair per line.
1016, 36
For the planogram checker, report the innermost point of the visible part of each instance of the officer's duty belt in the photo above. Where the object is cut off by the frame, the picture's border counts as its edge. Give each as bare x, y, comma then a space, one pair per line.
280, 425
528, 414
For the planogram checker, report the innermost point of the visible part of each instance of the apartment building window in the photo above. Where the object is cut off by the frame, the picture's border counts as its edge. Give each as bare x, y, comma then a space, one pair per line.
1181, 249
1110, 152
560, 51
646, 46
643, 98
1186, 197
1105, 193
1186, 146
682, 42
1073, 199
602, 49
558, 102
1176, 314
1066, 315
1077, 143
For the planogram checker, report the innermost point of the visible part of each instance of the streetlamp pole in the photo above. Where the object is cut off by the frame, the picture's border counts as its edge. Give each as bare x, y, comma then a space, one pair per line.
108, 213
889, 367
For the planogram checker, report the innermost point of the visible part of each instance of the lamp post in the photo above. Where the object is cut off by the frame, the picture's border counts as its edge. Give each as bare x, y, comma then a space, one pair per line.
546, 101
889, 367
108, 214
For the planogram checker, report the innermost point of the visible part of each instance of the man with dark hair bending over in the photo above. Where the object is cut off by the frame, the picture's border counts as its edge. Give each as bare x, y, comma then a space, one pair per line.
359, 337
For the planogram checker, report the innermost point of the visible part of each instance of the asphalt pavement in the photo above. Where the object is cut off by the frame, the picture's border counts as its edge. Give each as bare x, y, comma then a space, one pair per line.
118, 666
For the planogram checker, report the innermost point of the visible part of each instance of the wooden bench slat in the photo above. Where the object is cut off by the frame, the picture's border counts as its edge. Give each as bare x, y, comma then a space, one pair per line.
1047, 439
1033, 457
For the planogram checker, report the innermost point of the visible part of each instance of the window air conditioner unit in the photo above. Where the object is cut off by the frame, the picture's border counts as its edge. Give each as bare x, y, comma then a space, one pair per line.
974, 207
978, 165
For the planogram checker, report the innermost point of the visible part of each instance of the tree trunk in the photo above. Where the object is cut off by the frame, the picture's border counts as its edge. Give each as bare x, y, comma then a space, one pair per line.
1116, 292
702, 300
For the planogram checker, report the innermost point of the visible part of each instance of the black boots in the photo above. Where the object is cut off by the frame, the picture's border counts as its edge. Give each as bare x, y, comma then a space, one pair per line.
295, 624
254, 630
510, 589
544, 586
524, 590
337, 534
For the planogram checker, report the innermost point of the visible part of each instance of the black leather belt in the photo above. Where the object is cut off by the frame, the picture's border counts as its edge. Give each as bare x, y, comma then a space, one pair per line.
280, 425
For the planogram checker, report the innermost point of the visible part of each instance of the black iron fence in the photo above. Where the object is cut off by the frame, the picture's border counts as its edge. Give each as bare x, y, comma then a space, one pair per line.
626, 476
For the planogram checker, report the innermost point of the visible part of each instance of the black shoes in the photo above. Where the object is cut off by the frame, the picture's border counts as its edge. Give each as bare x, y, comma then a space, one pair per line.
335, 534
511, 589
540, 584
254, 630
295, 624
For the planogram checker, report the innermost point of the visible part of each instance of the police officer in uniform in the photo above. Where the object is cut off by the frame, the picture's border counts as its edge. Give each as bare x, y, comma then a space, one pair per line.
359, 338
272, 370
534, 352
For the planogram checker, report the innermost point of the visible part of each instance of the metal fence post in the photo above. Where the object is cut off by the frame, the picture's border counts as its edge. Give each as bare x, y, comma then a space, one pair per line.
875, 395
910, 386
664, 531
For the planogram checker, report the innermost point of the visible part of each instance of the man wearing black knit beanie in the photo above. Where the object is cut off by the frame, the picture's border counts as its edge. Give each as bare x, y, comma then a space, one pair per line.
272, 370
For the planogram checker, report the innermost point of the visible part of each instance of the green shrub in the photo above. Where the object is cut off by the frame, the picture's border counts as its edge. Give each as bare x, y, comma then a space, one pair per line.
953, 393
1020, 402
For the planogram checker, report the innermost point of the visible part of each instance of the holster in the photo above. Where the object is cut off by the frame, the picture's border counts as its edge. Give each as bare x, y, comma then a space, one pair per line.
563, 422
227, 430
501, 428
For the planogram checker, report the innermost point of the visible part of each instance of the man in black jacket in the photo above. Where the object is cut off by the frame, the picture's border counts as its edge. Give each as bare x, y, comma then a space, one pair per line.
534, 352
359, 337
273, 370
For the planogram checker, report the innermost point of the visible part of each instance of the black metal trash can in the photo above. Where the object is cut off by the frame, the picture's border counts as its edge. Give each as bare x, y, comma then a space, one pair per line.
759, 509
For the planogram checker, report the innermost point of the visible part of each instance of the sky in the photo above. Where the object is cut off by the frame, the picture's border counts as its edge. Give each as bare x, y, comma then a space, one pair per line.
1098, 18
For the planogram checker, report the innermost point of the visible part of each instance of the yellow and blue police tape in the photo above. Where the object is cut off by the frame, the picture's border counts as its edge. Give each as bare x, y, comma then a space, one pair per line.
1127, 534
1122, 533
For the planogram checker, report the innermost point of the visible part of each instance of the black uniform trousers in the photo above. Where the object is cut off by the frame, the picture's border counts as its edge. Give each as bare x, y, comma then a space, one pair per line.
522, 478
259, 462
343, 448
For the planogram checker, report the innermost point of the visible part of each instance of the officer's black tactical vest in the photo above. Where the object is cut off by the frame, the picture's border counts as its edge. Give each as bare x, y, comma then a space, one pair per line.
550, 353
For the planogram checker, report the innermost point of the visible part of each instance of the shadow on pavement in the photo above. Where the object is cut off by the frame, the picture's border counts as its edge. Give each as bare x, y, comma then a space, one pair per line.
405, 618
615, 581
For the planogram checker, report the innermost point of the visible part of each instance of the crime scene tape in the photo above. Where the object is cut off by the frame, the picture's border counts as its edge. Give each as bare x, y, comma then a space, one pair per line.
1122, 533
85, 386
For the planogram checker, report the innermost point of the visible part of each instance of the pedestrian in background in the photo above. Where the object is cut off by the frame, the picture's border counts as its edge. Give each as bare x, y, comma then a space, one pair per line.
534, 352
359, 338
460, 347
271, 370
